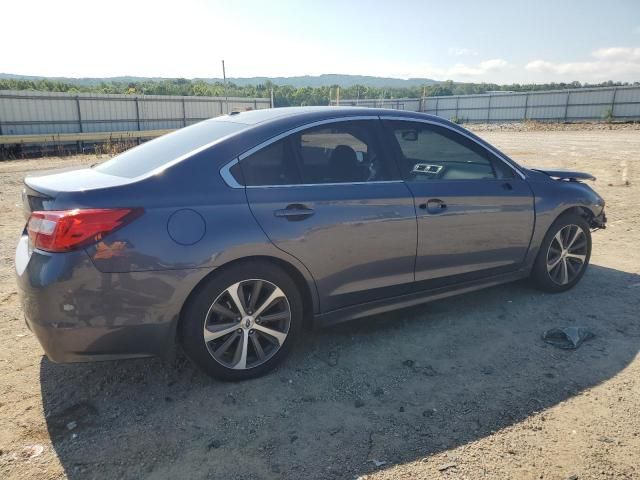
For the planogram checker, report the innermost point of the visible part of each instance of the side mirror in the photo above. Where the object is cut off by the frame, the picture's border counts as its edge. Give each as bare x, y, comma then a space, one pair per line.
410, 135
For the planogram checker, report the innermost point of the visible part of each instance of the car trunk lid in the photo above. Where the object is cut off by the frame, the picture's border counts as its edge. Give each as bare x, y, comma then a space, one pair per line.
42, 188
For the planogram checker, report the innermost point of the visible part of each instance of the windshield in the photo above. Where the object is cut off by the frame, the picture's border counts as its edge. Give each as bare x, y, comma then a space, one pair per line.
155, 153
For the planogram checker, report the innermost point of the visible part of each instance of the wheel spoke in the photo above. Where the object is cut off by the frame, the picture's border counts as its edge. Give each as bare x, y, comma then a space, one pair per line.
577, 256
564, 274
275, 295
572, 269
222, 311
238, 298
240, 357
579, 245
256, 346
553, 264
574, 237
255, 293
558, 238
279, 336
220, 331
275, 317
221, 350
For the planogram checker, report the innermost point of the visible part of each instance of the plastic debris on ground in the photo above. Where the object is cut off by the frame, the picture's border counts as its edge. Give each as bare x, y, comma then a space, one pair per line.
568, 338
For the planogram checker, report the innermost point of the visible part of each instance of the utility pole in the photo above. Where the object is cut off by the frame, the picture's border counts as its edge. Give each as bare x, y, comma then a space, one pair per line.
272, 102
226, 96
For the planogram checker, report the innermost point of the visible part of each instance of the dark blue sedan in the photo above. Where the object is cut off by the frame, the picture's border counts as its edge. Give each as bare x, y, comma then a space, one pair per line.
231, 235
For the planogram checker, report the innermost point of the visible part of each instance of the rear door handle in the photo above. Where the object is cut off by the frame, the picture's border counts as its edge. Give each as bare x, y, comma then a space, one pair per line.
294, 212
434, 205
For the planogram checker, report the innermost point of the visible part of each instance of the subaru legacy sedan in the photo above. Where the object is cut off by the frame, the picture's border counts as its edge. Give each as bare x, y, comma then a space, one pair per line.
232, 235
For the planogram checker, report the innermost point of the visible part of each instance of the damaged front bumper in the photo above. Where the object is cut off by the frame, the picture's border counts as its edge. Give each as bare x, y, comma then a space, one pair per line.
599, 221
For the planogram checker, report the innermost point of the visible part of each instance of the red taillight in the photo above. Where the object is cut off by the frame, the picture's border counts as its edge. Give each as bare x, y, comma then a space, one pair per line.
64, 230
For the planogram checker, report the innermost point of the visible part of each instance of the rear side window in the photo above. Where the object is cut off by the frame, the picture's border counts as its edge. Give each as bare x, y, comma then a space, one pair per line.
431, 153
162, 150
274, 164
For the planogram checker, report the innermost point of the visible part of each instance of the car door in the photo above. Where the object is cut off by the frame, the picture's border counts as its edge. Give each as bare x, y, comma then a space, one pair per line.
475, 212
328, 195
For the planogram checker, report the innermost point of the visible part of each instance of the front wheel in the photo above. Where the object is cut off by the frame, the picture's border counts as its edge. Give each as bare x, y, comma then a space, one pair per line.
242, 322
564, 254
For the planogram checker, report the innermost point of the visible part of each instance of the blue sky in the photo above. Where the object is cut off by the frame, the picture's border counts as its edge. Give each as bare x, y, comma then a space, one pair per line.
494, 41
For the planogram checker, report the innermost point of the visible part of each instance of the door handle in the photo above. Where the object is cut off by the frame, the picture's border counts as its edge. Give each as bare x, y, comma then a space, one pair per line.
433, 205
507, 186
294, 212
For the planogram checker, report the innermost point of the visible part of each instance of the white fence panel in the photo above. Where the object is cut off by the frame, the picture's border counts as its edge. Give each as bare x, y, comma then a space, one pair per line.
27, 112
553, 105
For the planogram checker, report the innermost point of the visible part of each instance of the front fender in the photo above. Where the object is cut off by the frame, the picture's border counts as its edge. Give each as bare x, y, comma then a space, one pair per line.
551, 199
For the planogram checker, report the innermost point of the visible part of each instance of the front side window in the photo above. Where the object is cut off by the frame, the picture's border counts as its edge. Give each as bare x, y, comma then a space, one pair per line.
341, 152
429, 152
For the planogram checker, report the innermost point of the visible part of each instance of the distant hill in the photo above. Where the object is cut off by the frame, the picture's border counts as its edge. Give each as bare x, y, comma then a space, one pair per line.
330, 79
325, 80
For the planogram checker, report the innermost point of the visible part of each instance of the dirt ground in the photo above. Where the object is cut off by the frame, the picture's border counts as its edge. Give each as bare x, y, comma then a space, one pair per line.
459, 388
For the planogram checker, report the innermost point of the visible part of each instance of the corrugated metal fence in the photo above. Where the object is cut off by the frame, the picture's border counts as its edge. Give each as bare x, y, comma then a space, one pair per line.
413, 104
33, 113
606, 103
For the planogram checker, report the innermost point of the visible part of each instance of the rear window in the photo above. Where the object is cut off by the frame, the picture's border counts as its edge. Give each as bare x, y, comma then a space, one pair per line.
155, 153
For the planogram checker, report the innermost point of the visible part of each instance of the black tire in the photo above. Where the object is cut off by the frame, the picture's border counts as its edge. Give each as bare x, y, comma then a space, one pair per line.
197, 312
541, 276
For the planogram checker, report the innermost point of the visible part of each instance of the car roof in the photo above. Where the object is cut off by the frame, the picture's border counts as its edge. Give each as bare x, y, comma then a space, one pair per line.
255, 117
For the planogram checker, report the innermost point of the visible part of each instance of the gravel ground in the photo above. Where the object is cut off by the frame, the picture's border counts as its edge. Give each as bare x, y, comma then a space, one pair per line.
533, 126
459, 388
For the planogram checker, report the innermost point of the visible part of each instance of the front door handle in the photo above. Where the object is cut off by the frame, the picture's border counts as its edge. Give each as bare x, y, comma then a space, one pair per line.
433, 205
294, 212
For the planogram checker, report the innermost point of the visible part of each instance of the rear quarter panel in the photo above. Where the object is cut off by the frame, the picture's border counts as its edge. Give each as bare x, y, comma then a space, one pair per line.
145, 245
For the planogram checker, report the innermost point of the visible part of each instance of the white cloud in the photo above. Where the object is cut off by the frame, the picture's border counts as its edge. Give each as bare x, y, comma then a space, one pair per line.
459, 71
617, 63
619, 54
482, 68
462, 52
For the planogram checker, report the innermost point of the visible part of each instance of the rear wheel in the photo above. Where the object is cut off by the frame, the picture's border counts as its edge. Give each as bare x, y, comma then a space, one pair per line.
564, 254
242, 322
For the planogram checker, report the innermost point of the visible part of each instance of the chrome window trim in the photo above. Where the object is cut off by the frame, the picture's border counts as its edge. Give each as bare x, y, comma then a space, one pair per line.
438, 124
233, 183
280, 136
333, 184
228, 178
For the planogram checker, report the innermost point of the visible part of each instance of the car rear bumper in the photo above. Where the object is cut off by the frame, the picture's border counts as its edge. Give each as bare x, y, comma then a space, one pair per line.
81, 314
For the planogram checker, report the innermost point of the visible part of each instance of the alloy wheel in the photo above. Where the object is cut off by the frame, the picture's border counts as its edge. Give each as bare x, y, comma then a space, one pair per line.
567, 254
247, 324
